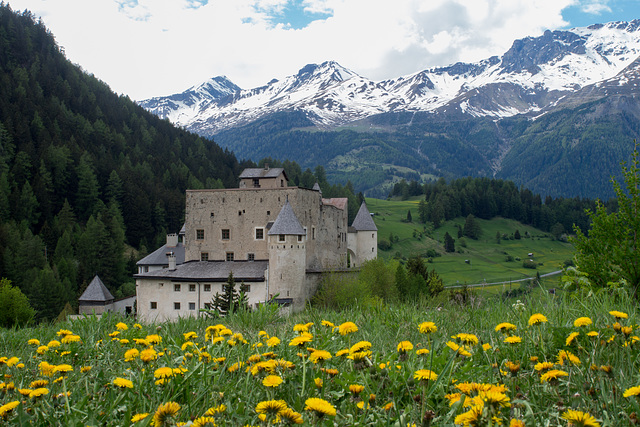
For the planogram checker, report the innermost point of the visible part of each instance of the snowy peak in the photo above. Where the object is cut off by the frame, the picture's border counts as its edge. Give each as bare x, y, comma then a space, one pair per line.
536, 74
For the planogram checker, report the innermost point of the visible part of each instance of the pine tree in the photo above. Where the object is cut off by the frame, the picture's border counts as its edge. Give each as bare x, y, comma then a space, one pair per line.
449, 243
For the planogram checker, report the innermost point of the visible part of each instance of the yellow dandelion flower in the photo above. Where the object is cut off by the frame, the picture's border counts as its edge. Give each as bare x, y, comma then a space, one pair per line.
189, 336
38, 383
216, 410
572, 336
25, 391
494, 398
63, 369
272, 381
121, 326
343, 352
34, 341
38, 392
553, 374
148, 355
404, 346
567, 355
122, 383
633, 391
301, 340
165, 411
593, 334
582, 321
537, 319
85, 369
235, 367
425, 375
424, 351
46, 368
320, 406
328, 324
427, 327
505, 327
12, 361
347, 328
273, 342
273, 407
64, 332
319, 356
356, 388
289, 416
8, 407
139, 417
131, 354
203, 421
543, 366
318, 382
513, 340
579, 418
471, 417
516, 423
388, 406
619, 314
163, 372
486, 346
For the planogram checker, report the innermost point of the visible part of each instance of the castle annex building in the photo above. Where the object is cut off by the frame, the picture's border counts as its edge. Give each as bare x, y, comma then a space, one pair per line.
276, 239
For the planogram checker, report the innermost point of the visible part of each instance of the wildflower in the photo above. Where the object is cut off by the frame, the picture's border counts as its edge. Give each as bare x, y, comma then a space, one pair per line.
121, 326
301, 340
272, 381
494, 398
165, 411
42, 349
356, 388
273, 342
424, 351
582, 321
12, 361
46, 368
343, 352
359, 347
235, 367
131, 354
319, 356
619, 314
572, 336
8, 407
203, 421
319, 406
543, 366
64, 332
347, 328
486, 346
633, 391
271, 407
290, 416
553, 374
38, 383
592, 334
302, 327
425, 375
458, 348
38, 392
216, 410
505, 327
85, 369
427, 327
513, 340
189, 336
471, 417
33, 341
328, 324
537, 319
139, 417
388, 406
163, 372
63, 369
516, 423
122, 383
513, 367
318, 382
330, 372
148, 355
404, 346
567, 355
579, 418
518, 305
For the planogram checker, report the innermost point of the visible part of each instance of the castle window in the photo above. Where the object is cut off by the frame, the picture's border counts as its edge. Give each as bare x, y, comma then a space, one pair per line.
199, 234
204, 256
225, 234
259, 233
176, 287
176, 306
207, 287
229, 256
192, 306
246, 288
282, 183
281, 238
268, 213
251, 257
372, 236
313, 233
192, 288
212, 215
299, 237
153, 305
256, 183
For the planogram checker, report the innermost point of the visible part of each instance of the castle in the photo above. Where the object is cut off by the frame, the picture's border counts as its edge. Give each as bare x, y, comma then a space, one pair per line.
277, 240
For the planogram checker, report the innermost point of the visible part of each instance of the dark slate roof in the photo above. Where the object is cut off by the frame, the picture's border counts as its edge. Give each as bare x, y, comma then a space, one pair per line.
363, 221
213, 271
261, 173
316, 187
287, 222
159, 256
96, 291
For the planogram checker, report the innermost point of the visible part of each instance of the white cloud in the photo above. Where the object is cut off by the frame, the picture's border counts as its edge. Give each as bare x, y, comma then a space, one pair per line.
148, 48
596, 7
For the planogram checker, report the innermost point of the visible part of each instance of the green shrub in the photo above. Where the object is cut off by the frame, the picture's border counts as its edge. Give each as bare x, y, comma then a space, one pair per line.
14, 306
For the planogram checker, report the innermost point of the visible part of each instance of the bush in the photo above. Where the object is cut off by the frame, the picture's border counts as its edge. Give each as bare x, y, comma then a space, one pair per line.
509, 258
529, 263
432, 253
14, 306
384, 245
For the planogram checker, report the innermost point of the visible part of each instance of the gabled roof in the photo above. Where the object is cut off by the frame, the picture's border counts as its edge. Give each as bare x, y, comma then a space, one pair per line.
262, 173
316, 187
363, 220
337, 202
287, 222
159, 256
214, 271
96, 291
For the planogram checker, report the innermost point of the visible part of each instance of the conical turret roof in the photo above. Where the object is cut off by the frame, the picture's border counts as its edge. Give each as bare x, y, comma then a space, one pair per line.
96, 291
363, 220
287, 222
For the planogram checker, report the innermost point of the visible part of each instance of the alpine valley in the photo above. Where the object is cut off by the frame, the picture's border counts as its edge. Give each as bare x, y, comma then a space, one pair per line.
556, 113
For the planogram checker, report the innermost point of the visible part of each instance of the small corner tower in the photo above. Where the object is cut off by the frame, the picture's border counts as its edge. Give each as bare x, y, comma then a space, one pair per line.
362, 239
287, 259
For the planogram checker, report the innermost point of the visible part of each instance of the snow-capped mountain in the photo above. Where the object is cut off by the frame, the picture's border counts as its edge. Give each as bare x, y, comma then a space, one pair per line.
536, 74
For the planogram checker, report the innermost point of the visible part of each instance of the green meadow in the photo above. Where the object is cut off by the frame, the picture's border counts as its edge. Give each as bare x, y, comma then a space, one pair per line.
475, 261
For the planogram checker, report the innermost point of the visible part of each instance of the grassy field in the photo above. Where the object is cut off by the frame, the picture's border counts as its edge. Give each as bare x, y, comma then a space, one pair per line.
545, 361
482, 260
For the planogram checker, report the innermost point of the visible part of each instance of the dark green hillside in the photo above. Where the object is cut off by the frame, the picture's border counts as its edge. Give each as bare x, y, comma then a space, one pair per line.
83, 171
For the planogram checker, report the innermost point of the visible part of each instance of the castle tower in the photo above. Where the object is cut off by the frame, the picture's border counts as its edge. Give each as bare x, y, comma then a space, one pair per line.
287, 258
362, 241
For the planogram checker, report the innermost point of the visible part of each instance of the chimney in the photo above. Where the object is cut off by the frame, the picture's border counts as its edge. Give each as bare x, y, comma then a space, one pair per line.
172, 260
172, 240
266, 166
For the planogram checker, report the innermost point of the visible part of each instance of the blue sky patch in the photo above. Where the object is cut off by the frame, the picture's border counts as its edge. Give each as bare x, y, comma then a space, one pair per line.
294, 16
585, 13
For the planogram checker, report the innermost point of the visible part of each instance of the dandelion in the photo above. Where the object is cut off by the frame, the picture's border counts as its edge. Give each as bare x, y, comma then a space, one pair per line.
38, 383
619, 314
633, 391
163, 372
33, 341
516, 423
427, 327
139, 417
121, 326
122, 383
592, 334
273, 407
8, 407
63, 369
425, 375
471, 417
148, 355
302, 327
486, 346
301, 340
131, 354
273, 342
404, 346
347, 328
319, 406
12, 361
203, 421
290, 416
572, 336
328, 324
567, 355
537, 319
164, 412
356, 388
553, 374
505, 327
272, 381
38, 392
64, 332
543, 366
582, 321
318, 382
579, 418
319, 356
216, 410
189, 336
513, 340
424, 351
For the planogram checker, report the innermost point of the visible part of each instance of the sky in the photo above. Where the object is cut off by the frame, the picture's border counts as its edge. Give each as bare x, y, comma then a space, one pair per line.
147, 48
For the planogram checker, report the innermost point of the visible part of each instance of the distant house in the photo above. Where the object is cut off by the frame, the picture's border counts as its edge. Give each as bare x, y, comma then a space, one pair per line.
277, 240
97, 299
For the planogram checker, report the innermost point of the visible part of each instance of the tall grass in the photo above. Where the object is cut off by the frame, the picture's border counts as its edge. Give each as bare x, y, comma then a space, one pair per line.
218, 371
